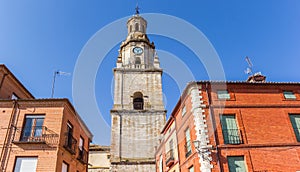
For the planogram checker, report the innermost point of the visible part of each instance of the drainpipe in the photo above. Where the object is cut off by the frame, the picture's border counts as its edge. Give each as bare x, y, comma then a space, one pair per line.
213, 121
11, 129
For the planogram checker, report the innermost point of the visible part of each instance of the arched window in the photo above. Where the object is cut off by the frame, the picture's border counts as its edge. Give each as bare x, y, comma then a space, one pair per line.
143, 28
130, 28
137, 60
138, 101
136, 27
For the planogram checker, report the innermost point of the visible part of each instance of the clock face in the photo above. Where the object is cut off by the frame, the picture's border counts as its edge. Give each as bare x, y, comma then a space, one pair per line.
137, 50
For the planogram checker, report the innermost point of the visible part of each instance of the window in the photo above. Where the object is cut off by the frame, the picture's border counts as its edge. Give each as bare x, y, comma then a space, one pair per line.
138, 101
69, 132
130, 28
65, 167
14, 96
171, 144
289, 95
230, 131
191, 169
295, 120
161, 163
170, 154
236, 164
25, 164
137, 60
223, 94
136, 27
33, 128
82, 154
137, 63
183, 111
70, 141
143, 28
81, 143
188, 150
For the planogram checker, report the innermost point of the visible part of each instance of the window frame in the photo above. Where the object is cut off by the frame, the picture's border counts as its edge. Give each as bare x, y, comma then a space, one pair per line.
81, 147
225, 92
65, 163
232, 132
138, 101
33, 129
289, 95
296, 132
14, 96
238, 156
136, 27
183, 110
20, 157
191, 167
188, 146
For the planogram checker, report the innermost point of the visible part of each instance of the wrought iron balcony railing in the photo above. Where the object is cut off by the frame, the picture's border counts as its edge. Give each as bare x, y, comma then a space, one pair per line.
138, 105
35, 134
70, 143
170, 157
188, 148
232, 136
82, 156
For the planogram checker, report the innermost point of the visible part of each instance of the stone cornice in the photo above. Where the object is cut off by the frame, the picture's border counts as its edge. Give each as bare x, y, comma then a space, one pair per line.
154, 70
138, 112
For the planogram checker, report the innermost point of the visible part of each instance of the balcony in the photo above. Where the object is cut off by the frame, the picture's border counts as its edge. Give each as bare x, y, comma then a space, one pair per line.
232, 136
70, 143
170, 158
188, 150
82, 156
35, 135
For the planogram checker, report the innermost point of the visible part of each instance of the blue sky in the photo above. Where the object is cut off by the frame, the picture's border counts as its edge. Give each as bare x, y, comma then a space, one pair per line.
39, 37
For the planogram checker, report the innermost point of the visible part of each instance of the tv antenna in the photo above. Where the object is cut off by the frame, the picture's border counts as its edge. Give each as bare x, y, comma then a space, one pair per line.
250, 66
59, 73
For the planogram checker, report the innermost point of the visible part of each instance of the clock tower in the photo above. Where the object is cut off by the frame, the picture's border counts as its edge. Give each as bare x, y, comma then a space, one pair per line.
138, 113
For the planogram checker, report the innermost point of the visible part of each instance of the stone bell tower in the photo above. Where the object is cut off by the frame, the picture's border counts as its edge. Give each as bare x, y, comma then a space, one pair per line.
138, 114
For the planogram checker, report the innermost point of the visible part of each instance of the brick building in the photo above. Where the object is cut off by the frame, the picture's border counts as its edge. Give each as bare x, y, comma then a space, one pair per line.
236, 126
167, 152
39, 134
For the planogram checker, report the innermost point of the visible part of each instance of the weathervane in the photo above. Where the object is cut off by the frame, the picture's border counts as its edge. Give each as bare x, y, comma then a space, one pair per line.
137, 8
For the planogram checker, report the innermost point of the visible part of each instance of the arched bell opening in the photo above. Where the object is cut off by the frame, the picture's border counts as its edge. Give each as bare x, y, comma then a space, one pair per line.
138, 101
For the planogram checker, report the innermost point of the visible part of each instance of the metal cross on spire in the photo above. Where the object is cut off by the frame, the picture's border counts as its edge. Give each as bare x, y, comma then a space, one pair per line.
137, 9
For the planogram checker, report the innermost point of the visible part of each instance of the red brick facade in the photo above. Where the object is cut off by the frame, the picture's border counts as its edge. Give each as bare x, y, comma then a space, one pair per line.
10, 85
264, 138
38, 128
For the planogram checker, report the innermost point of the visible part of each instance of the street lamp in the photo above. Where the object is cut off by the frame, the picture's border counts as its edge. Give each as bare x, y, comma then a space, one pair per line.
202, 150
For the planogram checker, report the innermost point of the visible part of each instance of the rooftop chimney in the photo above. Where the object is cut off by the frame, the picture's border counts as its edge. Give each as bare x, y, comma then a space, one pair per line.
257, 77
